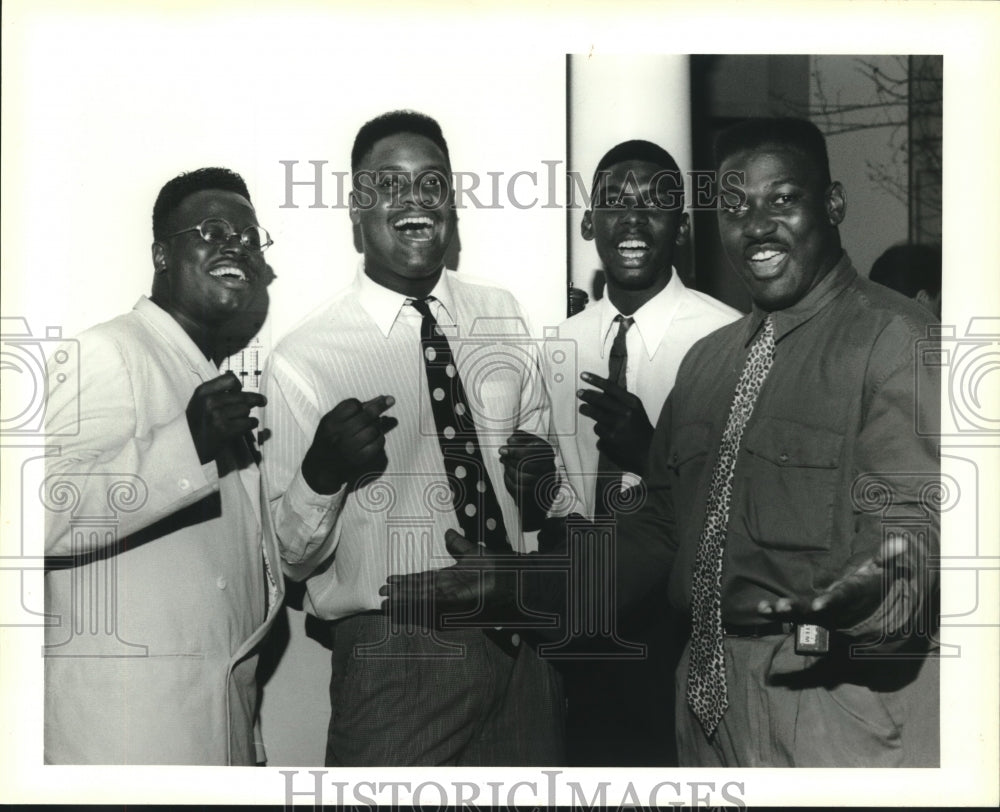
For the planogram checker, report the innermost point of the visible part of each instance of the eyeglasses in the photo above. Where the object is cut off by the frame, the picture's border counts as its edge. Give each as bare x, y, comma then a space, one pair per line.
217, 231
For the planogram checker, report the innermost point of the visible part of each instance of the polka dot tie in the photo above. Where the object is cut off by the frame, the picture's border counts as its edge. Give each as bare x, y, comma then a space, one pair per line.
706, 685
609, 475
472, 491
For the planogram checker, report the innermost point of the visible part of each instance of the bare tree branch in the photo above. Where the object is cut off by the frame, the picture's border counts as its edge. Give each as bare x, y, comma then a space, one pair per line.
889, 105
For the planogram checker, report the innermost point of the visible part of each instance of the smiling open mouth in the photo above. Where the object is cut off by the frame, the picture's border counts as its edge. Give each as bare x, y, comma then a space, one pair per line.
419, 228
633, 249
229, 273
764, 262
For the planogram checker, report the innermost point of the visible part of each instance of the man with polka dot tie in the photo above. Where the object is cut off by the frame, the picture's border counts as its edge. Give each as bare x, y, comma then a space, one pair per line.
360, 493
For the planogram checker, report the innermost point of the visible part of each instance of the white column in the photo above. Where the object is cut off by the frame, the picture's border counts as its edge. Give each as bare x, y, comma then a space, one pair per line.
615, 98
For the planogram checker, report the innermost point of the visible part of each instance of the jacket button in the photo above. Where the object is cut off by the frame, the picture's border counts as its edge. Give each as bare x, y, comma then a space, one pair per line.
515, 639
220, 582
783, 458
183, 484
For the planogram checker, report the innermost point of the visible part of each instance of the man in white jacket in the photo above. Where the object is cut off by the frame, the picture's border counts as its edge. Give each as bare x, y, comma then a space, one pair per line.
160, 578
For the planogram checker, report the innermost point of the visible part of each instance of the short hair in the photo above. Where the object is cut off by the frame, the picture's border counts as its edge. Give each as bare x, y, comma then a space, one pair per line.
796, 134
635, 150
187, 183
909, 269
393, 123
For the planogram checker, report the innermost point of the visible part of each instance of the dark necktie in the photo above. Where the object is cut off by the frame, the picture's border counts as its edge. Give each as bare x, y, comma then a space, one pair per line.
609, 475
472, 491
706, 685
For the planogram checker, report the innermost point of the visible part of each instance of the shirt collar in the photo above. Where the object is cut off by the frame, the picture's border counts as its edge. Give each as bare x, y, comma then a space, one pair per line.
384, 305
651, 320
785, 321
165, 324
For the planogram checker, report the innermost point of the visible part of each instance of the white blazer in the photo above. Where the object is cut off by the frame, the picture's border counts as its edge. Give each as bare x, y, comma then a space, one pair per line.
162, 577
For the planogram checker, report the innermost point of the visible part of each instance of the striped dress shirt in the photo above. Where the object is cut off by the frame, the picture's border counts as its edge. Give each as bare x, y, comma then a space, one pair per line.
365, 343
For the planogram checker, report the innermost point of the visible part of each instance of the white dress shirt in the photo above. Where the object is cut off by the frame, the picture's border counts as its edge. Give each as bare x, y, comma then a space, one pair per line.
665, 328
365, 343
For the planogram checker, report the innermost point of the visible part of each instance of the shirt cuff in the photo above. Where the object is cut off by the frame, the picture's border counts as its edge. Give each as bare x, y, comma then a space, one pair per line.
304, 522
306, 500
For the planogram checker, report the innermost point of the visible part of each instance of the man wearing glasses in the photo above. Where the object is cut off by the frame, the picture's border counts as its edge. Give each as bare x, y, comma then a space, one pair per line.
157, 613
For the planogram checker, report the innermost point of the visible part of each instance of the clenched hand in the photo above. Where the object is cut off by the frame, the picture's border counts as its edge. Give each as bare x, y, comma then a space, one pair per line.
349, 443
218, 412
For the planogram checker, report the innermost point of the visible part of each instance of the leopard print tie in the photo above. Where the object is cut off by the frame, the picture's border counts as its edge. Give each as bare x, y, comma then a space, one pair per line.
706, 685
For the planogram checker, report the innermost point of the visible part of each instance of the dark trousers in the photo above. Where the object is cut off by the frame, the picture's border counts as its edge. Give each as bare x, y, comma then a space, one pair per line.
620, 713
412, 697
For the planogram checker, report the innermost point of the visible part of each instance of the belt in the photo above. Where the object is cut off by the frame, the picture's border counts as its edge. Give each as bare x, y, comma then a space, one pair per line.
757, 630
509, 642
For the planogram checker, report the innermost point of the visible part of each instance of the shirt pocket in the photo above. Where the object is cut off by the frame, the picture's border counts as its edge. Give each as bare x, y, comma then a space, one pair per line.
689, 446
790, 476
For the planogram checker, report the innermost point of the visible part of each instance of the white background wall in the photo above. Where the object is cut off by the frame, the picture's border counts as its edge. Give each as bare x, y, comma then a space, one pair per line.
112, 104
